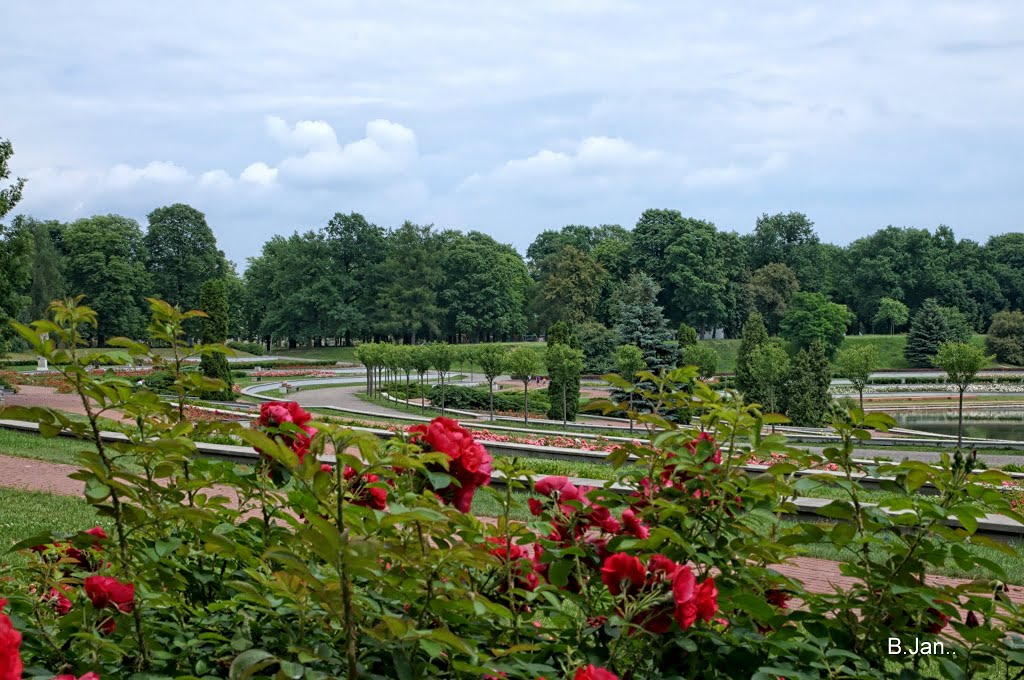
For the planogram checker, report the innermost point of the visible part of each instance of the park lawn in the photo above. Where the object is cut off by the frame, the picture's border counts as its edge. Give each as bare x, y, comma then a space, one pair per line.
348, 353
57, 450
24, 514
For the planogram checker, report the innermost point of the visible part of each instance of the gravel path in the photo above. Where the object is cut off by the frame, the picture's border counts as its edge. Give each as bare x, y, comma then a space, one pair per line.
992, 460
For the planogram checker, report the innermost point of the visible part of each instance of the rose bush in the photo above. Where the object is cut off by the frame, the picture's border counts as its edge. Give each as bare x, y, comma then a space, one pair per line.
336, 555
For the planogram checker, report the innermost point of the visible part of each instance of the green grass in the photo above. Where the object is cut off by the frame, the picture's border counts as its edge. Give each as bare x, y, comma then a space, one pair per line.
348, 353
26, 513
26, 445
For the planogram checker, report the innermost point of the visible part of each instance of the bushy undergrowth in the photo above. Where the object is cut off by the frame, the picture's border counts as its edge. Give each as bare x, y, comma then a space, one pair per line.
374, 567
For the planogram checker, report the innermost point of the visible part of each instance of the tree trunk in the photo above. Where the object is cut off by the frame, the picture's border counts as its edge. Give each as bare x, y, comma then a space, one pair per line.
861, 398
630, 415
441, 375
960, 422
268, 344
423, 403
490, 385
526, 401
565, 415
406, 388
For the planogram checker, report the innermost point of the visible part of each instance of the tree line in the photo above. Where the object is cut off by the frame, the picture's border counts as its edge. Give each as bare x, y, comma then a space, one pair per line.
351, 280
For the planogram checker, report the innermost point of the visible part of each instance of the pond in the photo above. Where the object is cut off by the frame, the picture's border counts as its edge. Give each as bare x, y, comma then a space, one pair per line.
978, 423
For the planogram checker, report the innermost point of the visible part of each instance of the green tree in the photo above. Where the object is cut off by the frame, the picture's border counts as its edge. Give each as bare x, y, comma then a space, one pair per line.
560, 334
789, 239
492, 359
355, 250
569, 287
640, 321
182, 254
812, 317
106, 260
213, 299
856, 364
704, 358
808, 395
770, 290
928, 330
769, 366
369, 355
421, 356
15, 252
564, 363
441, 357
961, 361
686, 336
754, 335
412, 277
891, 313
1006, 337
523, 364
629, 360
46, 279
598, 344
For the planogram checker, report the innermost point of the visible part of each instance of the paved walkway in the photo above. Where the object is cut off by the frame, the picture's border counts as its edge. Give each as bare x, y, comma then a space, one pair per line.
817, 575
37, 395
992, 460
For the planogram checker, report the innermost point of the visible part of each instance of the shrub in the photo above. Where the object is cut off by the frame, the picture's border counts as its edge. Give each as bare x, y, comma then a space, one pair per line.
460, 397
1006, 337
247, 347
378, 566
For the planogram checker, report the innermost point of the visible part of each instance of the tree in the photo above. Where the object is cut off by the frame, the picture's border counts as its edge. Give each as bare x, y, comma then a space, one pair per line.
421, 357
15, 252
213, 299
704, 358
105, 259
412, 275
640, 321
770, 290
46, 278
1006, 337
182, 254
808, 395
856, 364
366, 354
754, 335
570, 286
961, 361
686, 336
598, 344
492, 359
355, 249
811, 317
789, 239
441, 357
11, 194
629, 360
769, 366
564, 363
891, 313
928, 330
560, 334
523, 363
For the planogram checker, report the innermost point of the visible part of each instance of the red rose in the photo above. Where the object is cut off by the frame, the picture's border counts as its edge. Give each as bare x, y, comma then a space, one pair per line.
707, 599
602, 517
104, 591
633, 526
10, 648
61, 603
661, 568
469, 464
972, 620
326, 467
536, 507
88, 676
98, 532
593, 672
778, 598
936, 620
693, 601
108, 625
621, 569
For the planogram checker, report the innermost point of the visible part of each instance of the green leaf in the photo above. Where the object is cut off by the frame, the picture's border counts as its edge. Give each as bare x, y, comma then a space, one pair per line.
836, 510
96, 491
249, 663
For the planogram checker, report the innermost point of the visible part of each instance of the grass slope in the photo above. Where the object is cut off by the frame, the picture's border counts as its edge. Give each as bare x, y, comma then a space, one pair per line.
27, 513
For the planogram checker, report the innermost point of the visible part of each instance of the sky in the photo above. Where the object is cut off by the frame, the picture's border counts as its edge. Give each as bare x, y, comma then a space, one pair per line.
514, 117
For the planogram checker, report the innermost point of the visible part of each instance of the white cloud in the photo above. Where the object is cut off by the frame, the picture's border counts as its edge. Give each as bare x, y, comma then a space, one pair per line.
123, 176
216, 179
388, 149
599, 158
259, 173
734, 173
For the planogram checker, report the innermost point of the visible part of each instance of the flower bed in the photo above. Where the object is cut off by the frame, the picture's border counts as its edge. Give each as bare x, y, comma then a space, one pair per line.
294, 372
378, 566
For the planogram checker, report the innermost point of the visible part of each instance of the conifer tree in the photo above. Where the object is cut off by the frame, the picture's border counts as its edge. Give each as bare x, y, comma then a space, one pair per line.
754, 335
560, 334
213, 299
808, 395
928, 330
640, 321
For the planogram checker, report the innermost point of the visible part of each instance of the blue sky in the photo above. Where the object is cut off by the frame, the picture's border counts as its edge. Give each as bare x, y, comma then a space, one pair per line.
511, 118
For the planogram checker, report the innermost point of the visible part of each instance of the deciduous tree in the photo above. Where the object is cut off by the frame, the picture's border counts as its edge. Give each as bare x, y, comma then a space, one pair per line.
961, 361
523, 364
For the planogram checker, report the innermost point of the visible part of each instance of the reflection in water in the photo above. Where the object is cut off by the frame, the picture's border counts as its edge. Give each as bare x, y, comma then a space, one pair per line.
988, 423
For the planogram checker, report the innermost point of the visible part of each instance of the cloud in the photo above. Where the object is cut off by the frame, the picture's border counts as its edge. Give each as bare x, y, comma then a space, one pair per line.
259, 173
216, 179
594, 157
387, 149
734, 173
123, 176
